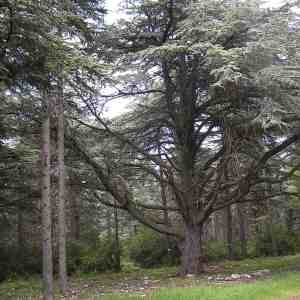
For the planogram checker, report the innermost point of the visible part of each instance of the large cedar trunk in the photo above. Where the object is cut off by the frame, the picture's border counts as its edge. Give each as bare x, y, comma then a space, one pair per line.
192, 261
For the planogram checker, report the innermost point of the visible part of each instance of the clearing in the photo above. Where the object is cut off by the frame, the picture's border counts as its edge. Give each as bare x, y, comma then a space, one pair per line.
255, 279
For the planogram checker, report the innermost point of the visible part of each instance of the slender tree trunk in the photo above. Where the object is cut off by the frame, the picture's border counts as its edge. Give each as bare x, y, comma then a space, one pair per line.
117, 252
229, 224
21, 237
242, 230
214, 234
192, 261
135, 229
20, 231
255, 213
54, 206
74, 202
77, 222
164, 198
163, 191
164, 204
108, 223
270, 221
61, 195
290, 220
46, 209
270, 226
163, 194
273, 239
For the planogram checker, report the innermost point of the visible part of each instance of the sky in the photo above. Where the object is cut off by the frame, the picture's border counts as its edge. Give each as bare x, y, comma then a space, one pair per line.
112, 6
113, 14
118, 106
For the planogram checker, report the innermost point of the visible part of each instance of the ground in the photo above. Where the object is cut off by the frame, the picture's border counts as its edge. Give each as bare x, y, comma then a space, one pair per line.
261, 279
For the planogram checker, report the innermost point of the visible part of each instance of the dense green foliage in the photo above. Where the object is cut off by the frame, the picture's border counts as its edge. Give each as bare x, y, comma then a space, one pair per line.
86, 258
149, 249
286, 242
214, 91
14, 262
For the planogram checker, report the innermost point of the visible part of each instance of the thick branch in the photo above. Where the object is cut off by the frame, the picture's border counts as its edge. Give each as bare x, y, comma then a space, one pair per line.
294, 138
141, 217
123, 197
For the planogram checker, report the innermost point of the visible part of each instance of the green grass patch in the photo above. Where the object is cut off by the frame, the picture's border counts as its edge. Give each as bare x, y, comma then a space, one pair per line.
280, 287
282, 263
21, 288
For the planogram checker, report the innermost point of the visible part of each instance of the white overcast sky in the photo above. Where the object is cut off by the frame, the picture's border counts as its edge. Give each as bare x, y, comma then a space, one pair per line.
113, 6
113, 13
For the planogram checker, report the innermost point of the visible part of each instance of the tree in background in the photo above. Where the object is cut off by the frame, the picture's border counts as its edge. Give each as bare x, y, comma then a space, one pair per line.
213, 78
32, 53
214, 91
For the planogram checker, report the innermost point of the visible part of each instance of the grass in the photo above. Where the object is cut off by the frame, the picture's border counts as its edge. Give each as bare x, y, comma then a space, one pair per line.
20, 288
274, 264
279, 288
90, 285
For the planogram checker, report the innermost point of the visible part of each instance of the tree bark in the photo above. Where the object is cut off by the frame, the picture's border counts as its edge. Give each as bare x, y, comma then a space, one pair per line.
290, 220
214, 233
20, 232
63, 282
192, 261
270, 226
242, 230
163, 191
76, 235
117, 256
21, 237
256, 225
164, 198
229, 224
46, 209
74, 202
108, 223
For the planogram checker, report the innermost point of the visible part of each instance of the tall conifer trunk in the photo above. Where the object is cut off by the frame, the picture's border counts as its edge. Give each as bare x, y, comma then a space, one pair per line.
230, 242
117, 253
61, 193
242, 229
46, 206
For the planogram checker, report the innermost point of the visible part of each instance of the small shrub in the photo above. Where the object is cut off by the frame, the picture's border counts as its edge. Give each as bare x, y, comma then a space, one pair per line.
28, 260
215, 250
74, 250
148, 249
285, 242
97, 257
106, 255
